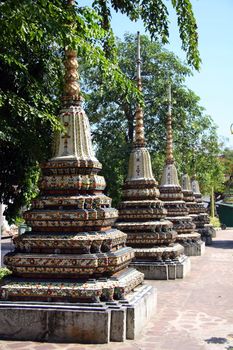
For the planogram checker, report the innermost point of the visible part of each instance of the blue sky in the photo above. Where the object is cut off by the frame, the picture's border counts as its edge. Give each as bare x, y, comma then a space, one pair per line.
214, 82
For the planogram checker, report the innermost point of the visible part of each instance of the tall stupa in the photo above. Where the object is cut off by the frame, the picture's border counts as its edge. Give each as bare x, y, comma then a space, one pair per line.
142, 214
201, 218
70, 272
172, 196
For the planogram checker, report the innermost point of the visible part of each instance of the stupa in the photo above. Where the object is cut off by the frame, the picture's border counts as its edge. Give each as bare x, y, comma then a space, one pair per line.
172, 196
201, 218
70, 279
142, 214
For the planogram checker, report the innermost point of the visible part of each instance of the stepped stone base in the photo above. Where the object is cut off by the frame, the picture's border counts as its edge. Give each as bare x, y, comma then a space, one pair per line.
93, 323
207, 239
206, 236
213, 230
207, 233
164, 270
196, 248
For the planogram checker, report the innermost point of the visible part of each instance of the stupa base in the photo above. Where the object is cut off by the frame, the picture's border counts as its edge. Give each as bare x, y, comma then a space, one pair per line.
212, 229
117, 287
164, 270
192, 246
90, 323
207, 233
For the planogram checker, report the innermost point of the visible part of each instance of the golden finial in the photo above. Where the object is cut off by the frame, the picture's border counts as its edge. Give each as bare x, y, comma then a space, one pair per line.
169, 147
139, 139
71, 91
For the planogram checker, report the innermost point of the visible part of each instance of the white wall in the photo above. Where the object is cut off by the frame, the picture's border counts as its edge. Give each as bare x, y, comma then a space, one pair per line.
2, 217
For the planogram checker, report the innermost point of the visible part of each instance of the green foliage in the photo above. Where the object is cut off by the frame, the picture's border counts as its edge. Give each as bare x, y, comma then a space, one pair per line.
155, 16
19, 221
33, 34
111, 110
226, 159
188, 30
4, 272
197, 146
32, 37
215, 221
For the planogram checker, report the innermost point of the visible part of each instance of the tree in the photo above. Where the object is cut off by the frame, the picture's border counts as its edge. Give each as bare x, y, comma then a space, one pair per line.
155, 16
111, 110
226, 158
197, 144
33, 34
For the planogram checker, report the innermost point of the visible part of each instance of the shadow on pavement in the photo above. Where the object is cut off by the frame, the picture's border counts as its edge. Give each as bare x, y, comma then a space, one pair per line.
228, 244
216, 340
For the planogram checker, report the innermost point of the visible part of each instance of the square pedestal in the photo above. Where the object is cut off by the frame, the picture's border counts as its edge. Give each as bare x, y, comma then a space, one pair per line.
207, 233
194, 248
77, 323
207, 239
165, 270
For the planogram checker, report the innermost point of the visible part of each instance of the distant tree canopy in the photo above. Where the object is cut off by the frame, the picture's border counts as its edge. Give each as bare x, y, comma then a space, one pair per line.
33, 34
226, 158
112, 111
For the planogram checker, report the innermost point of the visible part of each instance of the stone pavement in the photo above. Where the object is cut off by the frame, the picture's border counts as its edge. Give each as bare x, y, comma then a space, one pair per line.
193, 314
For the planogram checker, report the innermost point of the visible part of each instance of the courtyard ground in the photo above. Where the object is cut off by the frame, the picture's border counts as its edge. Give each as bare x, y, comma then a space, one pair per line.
193, 314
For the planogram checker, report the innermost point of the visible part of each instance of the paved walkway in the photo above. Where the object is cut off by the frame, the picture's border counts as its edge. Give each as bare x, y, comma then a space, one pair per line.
193, 314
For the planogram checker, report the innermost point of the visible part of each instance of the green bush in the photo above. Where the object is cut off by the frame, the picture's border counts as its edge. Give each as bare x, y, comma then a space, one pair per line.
4, 272
215, 222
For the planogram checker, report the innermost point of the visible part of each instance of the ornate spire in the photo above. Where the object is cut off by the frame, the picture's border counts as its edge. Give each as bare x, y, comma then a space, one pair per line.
170, 176
75, 142
71, 90
139, 140
186, 183
140, 168
195, 185
169, 147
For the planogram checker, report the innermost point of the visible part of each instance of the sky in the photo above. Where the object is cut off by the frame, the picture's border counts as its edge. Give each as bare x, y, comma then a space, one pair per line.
214, 83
